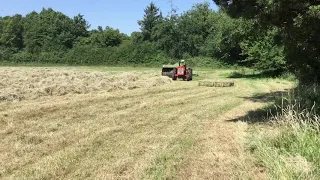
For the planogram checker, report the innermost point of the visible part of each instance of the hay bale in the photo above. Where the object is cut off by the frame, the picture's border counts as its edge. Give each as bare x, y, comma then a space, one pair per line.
216, 83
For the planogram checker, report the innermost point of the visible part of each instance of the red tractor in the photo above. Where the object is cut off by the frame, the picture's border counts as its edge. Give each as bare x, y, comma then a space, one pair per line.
182, 71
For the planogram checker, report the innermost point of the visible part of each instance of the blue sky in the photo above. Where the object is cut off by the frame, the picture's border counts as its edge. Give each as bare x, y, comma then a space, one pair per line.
121, 14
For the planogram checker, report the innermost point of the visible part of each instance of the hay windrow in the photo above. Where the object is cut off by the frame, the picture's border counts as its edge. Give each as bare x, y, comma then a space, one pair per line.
19, 84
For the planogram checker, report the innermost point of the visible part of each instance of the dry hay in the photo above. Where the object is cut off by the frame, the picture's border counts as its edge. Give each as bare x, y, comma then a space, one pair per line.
298, 164
32, 83
218, 83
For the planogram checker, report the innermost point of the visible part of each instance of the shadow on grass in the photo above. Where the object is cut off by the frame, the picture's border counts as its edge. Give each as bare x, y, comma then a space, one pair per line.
253, 75
236, 75
258, 116
264, 114
267, 97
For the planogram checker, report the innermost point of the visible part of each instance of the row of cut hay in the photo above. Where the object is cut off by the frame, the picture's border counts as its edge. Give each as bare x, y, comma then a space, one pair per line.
29, 83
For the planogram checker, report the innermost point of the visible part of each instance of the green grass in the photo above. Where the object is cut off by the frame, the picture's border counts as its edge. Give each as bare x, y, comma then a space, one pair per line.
93, 67
288, 145
251, 74
31, 64
290, 155
108, 67
164, 166
290, 150
130, 132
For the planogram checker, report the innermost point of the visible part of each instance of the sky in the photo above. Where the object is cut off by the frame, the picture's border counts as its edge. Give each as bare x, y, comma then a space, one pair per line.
119, 14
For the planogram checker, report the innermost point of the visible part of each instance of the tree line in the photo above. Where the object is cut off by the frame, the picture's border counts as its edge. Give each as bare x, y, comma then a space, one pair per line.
273, 37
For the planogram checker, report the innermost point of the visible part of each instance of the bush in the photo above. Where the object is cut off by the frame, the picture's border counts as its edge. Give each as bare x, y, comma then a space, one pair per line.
265, 54
126, 54
23, 57
6, 54
55, 57
90, 55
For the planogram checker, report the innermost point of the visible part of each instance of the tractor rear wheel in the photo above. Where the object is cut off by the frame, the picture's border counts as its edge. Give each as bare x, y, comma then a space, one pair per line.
189, 73
173, 74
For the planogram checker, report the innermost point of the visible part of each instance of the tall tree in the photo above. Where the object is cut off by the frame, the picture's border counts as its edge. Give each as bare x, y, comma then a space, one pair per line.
168, 35
100, 29
12, 32
195, 27
81, 26
32, 37
151, 18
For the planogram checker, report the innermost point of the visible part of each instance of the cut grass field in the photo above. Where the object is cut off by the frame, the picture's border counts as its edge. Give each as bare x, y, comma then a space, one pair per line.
173, 130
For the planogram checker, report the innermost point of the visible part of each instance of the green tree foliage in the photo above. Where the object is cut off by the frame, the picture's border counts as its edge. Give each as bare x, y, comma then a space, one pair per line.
299, 24
11, 36
195, 28
264, 53
302, 44
226, 36
185, 35
80, 26
52, 31
104, 38
151, 18
11, 32
168, 34
32, 40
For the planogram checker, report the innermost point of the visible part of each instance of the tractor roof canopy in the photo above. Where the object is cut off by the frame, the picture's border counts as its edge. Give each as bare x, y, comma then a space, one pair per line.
171, 66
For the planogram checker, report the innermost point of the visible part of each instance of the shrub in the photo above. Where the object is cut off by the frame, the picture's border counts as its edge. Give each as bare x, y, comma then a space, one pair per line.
265, 54
23, 57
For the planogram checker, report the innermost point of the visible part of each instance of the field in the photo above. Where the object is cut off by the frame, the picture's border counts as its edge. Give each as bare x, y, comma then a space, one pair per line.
117, 123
